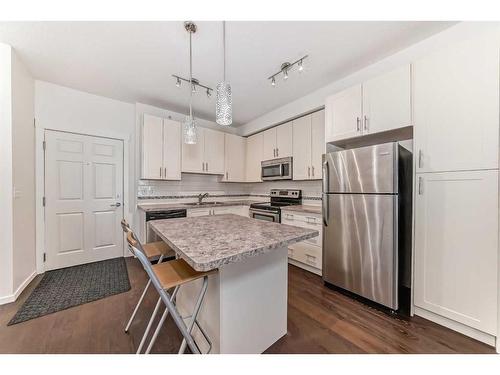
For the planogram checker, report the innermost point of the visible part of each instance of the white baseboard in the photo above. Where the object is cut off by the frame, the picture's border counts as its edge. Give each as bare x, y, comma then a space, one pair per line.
459, 327
12, 297
305, 266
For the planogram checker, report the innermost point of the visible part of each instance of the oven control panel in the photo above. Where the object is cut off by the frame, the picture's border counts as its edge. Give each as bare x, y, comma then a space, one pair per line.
285, 193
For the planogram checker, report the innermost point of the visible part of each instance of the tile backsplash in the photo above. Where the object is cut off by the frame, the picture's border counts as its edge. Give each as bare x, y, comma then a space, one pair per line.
194, 184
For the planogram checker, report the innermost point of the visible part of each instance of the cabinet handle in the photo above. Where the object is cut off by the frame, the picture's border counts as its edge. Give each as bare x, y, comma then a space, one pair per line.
160, 173
227, 176
366, 123
207, 165
274, 152
277, 151
420, 186
165, 172
312, 168
420, 158
358, 124
308, 171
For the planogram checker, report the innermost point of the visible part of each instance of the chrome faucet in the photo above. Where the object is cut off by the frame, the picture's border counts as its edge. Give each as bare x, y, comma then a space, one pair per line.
201, 196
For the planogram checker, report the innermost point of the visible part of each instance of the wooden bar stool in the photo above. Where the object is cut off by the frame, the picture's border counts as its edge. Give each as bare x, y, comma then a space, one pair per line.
168, 275
154, 251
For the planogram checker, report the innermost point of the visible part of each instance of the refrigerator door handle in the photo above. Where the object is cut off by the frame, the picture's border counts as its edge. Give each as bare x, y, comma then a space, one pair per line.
326, 177
324, 203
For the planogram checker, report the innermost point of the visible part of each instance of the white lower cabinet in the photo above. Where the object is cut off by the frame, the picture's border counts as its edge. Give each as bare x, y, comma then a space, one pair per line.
237, 210
307, 254
456, 247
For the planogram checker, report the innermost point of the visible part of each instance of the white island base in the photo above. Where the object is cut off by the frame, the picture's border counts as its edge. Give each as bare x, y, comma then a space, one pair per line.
245, 308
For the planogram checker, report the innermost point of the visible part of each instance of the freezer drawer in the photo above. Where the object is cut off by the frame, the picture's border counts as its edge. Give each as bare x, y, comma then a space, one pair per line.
360, 245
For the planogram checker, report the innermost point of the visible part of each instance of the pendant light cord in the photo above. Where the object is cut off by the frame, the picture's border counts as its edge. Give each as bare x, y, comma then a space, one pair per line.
224, 46
190, 76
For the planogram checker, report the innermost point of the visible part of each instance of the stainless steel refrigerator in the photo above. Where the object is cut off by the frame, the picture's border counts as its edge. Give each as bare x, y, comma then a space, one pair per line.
367, 221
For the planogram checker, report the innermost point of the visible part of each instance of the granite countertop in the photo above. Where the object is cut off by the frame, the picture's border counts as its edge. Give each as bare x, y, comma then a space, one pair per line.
151, 207
303, 208
208, 242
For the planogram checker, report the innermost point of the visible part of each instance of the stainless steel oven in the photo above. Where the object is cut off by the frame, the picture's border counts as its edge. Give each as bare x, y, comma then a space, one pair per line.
276, 169
267, 215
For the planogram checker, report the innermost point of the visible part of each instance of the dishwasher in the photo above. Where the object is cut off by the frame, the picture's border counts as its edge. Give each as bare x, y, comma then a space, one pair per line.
151, 236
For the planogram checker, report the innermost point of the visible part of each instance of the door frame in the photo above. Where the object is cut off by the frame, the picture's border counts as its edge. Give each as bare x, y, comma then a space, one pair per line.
40, 185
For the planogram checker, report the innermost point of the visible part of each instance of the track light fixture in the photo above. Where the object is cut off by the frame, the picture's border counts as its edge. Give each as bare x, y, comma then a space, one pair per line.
286, 67
194, 84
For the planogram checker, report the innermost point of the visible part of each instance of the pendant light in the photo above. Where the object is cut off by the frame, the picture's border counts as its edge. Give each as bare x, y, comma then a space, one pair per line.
224, 105
190, 131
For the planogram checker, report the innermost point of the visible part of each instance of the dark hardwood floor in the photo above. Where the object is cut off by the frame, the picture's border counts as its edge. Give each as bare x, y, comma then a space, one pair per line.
320, 320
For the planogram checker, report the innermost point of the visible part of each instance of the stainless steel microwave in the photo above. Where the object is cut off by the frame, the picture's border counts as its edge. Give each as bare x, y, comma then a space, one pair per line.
276, 169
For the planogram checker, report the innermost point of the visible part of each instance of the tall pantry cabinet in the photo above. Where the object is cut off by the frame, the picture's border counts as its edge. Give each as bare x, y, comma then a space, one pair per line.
456, 113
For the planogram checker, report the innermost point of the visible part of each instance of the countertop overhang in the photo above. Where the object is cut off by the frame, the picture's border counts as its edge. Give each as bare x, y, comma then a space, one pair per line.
209, 242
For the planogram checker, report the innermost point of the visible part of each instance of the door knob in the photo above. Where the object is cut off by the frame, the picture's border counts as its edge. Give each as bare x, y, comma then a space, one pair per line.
117, 204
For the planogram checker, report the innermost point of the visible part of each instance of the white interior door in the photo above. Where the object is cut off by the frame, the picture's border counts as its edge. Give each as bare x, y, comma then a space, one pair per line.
84, 199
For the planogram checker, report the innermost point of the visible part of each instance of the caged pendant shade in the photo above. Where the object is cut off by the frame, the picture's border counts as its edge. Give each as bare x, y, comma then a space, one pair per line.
224, 104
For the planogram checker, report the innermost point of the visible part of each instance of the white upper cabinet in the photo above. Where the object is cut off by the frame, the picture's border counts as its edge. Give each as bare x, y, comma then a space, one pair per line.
193, 156
161, 155
254, 155
302, 142
235, 155
152, 147
343, 114
456, 246
214, 151
171, 150
269, 144
457, 107
277, 142
387, 101
207, 155
284, 135
380, 104
308, 146
317, 144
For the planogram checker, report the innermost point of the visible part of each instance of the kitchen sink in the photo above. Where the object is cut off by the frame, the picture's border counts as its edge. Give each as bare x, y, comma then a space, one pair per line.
203, 204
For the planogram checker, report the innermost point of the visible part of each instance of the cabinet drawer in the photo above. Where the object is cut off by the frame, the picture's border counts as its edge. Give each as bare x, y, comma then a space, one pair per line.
309, 222
306, 253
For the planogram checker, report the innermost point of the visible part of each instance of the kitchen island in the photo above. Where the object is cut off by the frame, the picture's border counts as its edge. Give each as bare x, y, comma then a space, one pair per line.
245, 308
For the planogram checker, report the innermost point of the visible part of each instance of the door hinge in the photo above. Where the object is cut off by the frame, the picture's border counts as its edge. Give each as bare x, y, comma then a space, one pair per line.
44, 257
44, 145
43, 201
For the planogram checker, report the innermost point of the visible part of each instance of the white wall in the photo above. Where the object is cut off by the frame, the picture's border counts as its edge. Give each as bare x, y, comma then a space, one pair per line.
66, 109
317, 98
6, 284
23, 163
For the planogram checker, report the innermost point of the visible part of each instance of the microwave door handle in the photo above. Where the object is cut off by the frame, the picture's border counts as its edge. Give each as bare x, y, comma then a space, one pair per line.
282, 170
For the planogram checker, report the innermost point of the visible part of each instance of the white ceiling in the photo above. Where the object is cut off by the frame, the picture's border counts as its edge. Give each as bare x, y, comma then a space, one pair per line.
134, 61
